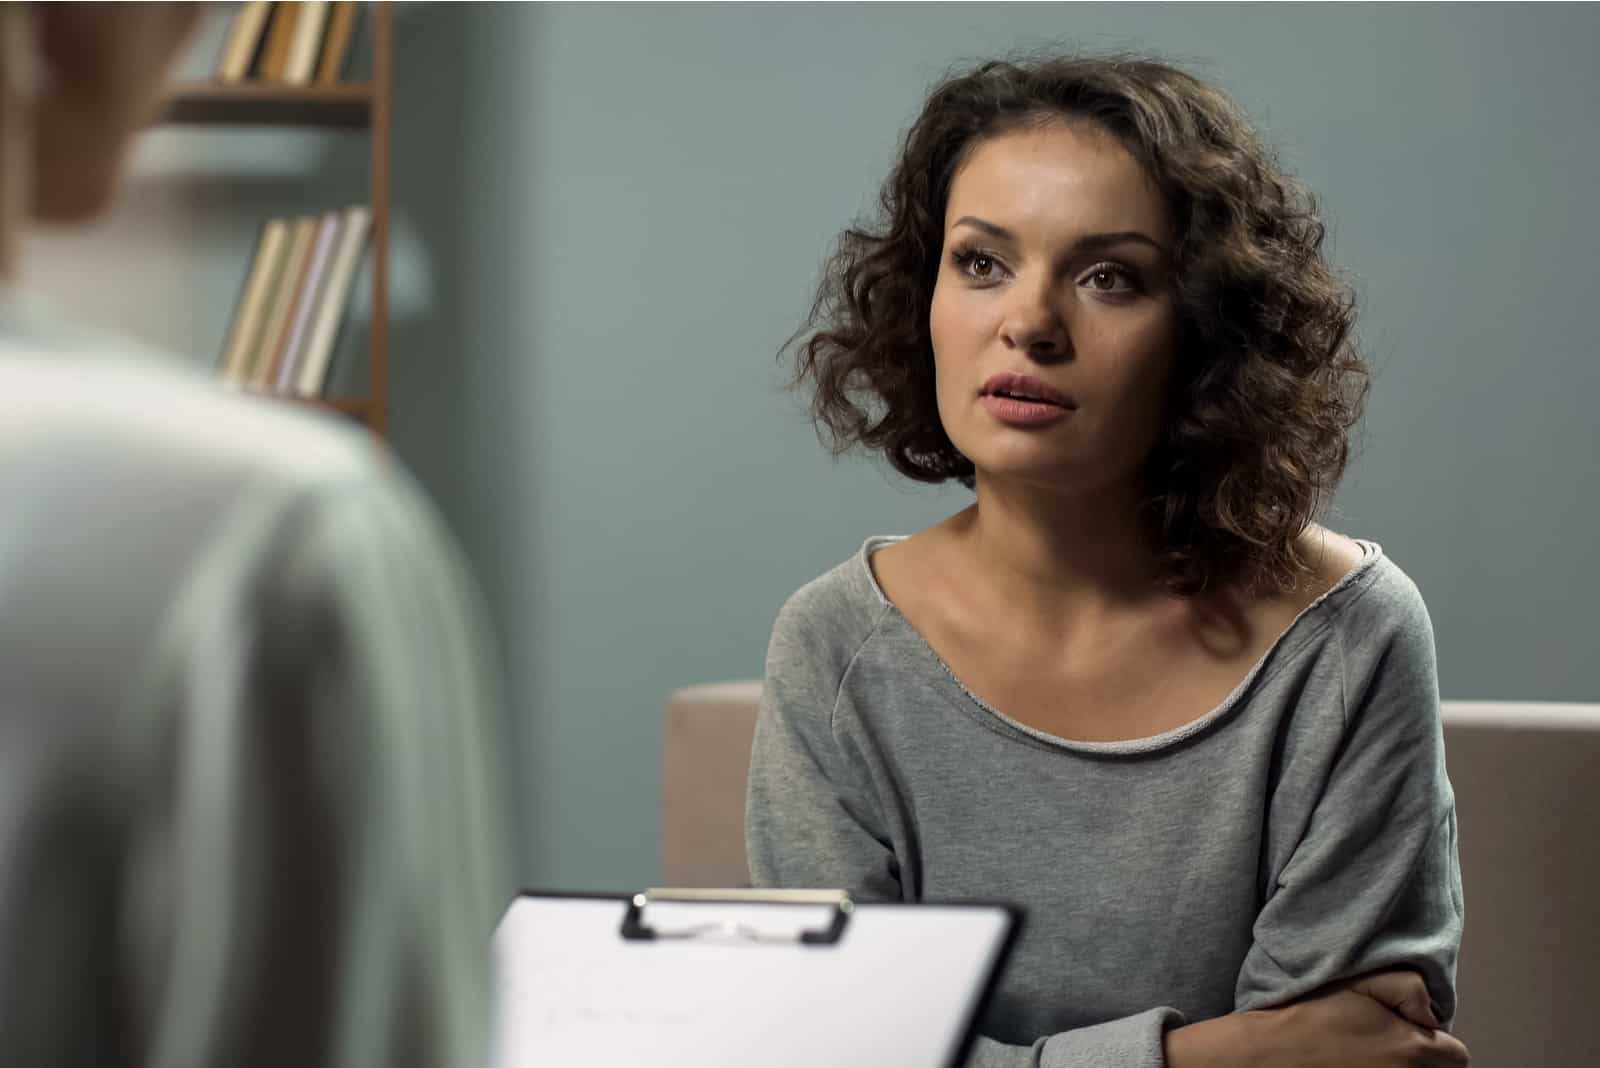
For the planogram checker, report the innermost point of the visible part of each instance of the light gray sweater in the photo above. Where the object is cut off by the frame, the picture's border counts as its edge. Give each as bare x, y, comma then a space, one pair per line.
251, 811
1301, 832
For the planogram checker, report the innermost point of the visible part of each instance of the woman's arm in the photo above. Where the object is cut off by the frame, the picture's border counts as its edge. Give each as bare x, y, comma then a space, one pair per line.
1344, 1026
811, 817
1364, 1023
1373, 882
1355, 947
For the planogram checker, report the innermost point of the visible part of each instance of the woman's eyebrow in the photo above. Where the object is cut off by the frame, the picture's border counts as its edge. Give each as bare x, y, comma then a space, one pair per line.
1086, 243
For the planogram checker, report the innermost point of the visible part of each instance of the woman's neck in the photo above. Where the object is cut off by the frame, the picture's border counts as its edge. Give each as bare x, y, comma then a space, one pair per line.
16, 179
19, 74
1061, 555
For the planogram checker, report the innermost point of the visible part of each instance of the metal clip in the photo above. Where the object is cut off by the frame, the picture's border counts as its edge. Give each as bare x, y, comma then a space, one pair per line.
635, 929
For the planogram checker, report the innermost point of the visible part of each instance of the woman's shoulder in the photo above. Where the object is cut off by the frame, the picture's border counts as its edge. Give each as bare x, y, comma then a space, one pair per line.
1376, 616
1354, 602
1385, 611
840, 608
1358, 581
1353, 581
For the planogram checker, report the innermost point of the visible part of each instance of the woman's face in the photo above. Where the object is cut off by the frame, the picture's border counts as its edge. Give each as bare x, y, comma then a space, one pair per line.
1054, 329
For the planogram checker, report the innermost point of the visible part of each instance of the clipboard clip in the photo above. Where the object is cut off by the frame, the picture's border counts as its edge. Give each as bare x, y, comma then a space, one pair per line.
635, 929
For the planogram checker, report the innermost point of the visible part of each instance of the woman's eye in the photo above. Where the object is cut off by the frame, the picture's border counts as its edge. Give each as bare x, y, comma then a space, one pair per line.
978, 265
1110, 271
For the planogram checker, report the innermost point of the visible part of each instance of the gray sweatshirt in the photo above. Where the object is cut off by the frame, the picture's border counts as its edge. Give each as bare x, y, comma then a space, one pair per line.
1301, 832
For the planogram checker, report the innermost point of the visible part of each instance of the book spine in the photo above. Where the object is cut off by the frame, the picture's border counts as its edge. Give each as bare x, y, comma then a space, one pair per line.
250, 359
307, 42
307, 301
253, 301
313, 374
244, 38
283, 303
280, 36
336, 44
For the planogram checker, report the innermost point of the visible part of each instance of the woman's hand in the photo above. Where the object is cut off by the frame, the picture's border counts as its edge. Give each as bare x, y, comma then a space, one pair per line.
1359, 1022
1403, 992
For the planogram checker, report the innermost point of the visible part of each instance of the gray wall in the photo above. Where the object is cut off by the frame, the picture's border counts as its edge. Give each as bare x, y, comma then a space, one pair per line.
616, 215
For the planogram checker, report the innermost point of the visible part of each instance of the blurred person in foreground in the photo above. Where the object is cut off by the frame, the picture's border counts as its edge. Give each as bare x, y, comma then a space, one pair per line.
249, 811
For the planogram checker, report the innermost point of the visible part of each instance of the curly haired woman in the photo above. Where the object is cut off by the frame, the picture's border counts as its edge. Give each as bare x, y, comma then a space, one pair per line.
1135, 687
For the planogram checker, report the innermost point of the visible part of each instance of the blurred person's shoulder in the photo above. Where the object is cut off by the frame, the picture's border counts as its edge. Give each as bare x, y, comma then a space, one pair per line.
141, 496
111, 406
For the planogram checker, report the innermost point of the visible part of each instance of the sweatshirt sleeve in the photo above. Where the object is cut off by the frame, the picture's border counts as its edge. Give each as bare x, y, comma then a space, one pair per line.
337, 795
1374, 881
814, 820
1130, 1042
811, 818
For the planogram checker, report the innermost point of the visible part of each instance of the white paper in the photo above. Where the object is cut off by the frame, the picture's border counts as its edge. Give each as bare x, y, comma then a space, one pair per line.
896, 989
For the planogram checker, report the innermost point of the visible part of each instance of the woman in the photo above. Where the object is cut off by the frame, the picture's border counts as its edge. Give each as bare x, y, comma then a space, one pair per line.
1134, 687
249, 812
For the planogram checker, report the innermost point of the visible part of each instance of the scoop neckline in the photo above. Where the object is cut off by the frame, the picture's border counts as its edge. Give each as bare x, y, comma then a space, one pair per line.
992, 717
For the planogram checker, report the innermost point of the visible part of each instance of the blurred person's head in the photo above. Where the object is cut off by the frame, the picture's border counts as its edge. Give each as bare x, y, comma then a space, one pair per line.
77, 81
1213, 368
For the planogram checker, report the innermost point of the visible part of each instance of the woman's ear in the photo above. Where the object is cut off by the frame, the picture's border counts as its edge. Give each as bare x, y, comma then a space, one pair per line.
103, 68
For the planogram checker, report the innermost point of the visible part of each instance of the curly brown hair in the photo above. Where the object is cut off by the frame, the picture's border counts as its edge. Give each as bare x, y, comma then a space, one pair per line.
1272, 384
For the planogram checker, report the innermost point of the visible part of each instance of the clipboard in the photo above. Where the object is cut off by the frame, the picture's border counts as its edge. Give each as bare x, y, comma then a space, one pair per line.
732, 978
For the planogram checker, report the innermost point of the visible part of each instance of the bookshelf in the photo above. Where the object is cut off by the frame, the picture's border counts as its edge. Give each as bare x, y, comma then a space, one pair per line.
207, 103
349, 106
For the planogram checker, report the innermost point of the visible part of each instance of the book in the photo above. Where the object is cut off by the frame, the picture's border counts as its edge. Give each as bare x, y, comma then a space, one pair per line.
272, 359
294, 266
251, 311
244, 40
312, 376
280, 36
306, 301
251, 353
336, 42
307, 42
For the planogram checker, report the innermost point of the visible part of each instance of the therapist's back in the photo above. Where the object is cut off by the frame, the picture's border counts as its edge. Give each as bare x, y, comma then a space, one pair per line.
249, 807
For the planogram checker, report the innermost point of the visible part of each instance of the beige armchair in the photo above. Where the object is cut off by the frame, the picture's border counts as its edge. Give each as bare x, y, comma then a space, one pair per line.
706, 758
1527, 782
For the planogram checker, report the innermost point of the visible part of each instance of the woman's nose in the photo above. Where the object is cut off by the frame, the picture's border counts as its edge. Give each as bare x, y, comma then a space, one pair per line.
1033, 325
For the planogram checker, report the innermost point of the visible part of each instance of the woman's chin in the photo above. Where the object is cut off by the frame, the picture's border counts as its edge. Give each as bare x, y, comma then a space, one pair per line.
1055, 474
1055, 477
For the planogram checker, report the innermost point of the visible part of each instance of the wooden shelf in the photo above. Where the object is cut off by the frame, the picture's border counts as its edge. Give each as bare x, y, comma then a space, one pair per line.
264, 104
363, 106
357, 408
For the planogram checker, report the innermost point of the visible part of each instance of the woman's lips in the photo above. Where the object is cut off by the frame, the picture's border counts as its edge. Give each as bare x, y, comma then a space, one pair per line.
1024, 387
1014, 411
